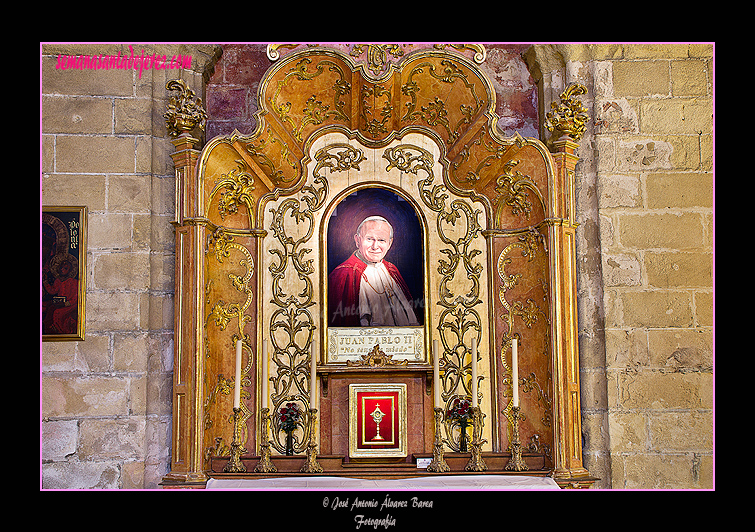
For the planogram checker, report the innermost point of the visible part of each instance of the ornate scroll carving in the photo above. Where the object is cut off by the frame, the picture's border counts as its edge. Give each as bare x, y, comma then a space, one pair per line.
315, 111
376, 358
529, 311
291, 324
223, 314
272, 50
459, 321
377, 55
480, 53
261, 149
436, 113
185, 112
237, 187
568, 117
338, 157
511, 189
492, 152
370, 124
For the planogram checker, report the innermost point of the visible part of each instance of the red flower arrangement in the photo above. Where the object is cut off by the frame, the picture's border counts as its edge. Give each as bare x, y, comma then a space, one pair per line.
460, 409
289, 416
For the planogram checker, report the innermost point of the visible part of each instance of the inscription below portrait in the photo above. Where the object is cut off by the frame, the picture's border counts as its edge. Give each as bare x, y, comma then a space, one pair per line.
352, 344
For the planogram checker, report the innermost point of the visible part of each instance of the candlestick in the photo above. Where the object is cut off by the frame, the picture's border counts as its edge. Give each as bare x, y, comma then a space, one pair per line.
515, 371
265, 464
476, 463
438, 463
263, 362
237, 383
516, 462
235, 465
313, 376
436, 375
310, 464
474, 371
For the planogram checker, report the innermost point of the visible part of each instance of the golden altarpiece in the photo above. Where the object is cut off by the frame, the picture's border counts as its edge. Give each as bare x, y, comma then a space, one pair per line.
492, 251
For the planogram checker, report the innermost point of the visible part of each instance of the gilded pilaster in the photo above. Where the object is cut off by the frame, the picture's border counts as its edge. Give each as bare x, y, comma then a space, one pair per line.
563, 282
186, 451
184, 115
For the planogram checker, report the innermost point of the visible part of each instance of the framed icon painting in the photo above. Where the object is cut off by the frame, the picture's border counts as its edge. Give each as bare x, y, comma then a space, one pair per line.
377, 420
64, 252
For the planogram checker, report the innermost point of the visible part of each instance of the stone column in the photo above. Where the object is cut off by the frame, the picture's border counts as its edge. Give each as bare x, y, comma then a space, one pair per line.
554, 67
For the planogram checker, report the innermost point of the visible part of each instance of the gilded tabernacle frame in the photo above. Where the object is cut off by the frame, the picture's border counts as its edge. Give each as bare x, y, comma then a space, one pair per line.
63, 272
377, 421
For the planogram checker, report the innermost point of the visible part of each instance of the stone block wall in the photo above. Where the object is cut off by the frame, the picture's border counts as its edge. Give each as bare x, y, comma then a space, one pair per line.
106, 401
654, 118
645, 254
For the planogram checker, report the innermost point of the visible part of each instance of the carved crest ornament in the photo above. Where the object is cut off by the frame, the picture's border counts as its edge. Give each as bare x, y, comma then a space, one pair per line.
497, 218
376, 358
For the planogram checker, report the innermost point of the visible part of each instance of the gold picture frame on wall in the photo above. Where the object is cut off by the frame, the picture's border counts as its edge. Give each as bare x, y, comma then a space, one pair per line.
377, 421
63, 273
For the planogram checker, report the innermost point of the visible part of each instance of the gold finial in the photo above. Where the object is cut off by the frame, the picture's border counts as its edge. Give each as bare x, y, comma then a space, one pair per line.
569, 117
185, 110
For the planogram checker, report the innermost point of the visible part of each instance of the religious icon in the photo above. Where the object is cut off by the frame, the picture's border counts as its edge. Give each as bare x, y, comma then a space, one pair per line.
63, 272
377, 420
375, 258
377, 416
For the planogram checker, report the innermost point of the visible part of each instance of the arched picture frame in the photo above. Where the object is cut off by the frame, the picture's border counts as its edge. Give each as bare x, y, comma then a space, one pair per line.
352, 332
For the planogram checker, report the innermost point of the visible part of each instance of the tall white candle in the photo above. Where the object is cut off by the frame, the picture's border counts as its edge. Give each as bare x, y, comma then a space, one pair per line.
237, 383
263, 362
313, 375
474, 371
515, 371
436, 375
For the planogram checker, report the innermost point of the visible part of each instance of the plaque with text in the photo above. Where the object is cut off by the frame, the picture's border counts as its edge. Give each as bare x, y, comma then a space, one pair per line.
399, 343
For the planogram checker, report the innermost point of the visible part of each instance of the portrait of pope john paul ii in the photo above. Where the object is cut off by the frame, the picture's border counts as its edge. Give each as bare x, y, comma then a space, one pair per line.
375, 261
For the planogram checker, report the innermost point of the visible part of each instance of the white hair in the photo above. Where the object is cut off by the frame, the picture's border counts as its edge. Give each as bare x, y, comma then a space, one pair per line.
374, 219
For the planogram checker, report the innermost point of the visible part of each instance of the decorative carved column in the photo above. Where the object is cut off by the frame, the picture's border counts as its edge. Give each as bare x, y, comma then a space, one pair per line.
567, 122
184, 115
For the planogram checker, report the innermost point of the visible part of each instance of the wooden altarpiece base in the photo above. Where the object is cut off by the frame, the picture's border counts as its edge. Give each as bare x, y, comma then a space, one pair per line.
333, 465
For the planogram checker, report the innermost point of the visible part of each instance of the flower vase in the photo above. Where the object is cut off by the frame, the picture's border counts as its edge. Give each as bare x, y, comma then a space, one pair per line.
289, 443
463, 438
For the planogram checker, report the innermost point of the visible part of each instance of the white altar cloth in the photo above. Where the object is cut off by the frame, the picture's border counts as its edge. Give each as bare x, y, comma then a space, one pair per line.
434, 483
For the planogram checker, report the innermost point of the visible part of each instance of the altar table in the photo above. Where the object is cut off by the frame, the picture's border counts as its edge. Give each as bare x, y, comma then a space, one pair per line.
436, 483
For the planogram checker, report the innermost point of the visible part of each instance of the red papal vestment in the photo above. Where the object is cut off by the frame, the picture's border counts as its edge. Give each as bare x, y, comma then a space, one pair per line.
344, 284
